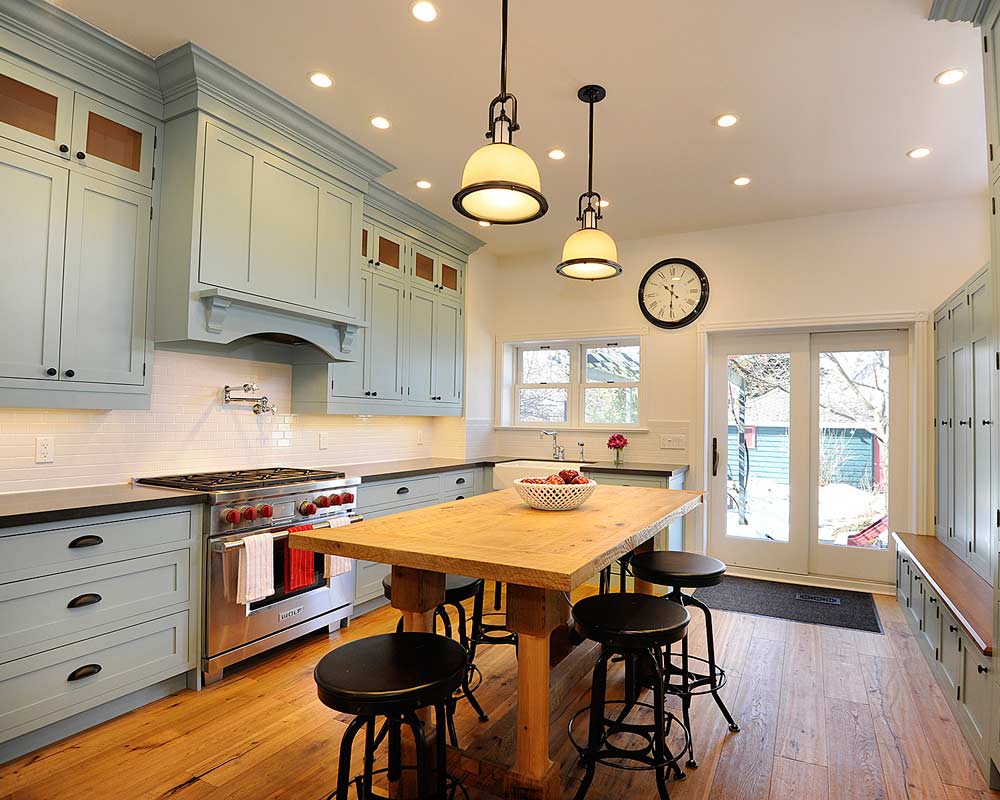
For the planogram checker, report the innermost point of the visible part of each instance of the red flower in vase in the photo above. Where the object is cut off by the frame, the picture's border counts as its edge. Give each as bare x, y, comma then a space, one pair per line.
617, 442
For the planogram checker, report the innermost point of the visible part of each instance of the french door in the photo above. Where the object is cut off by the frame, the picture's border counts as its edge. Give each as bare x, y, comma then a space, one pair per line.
809, 451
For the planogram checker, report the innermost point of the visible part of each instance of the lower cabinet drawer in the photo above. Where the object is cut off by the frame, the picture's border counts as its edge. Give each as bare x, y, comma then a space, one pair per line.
39, 610
951, 653
976, 701
72, 546
403, 492
52, 684
932, 622
460, 496
458, 483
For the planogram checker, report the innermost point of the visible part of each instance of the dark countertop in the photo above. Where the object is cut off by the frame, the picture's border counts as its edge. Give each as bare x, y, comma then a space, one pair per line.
54, 505
388, 470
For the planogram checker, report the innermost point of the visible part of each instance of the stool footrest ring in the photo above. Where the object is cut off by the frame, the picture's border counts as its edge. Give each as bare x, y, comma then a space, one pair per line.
609, 753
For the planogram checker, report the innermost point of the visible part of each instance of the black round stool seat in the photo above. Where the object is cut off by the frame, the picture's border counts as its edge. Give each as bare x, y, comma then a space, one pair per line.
391, 673
678, 569
631, 620
456, 588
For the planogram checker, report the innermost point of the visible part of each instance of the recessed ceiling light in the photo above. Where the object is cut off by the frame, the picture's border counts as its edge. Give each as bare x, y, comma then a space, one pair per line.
742, 180
557, 154
919, 152
424, 11
727, 120
483, 223
950, 76
604, 203
423, 184
380, 122
321, 79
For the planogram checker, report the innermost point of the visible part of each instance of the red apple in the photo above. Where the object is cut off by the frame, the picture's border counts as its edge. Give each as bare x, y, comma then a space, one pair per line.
568, 474
555, 480
579, 480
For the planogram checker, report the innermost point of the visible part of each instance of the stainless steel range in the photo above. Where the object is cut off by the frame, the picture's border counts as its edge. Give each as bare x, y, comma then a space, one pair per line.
253, 501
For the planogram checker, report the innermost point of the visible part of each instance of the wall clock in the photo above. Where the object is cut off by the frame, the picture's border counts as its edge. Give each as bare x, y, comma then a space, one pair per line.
673, 293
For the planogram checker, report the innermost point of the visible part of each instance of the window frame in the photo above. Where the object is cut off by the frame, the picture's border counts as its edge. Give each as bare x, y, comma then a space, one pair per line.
577, 386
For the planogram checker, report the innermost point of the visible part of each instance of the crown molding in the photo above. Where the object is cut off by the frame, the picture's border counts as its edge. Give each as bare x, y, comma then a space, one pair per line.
58, 35
959, 10
400, 208
188, 75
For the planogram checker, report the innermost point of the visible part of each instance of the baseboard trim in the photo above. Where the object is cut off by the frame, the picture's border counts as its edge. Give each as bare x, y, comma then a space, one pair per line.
814, 580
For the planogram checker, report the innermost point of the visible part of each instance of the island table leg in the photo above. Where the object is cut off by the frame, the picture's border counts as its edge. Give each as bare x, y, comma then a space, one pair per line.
533, 614
642, 587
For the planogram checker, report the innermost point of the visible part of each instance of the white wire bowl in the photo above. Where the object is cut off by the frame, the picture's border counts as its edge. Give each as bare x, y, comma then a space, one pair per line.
553, 496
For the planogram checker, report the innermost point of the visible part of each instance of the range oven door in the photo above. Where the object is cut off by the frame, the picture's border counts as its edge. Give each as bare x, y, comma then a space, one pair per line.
297, 597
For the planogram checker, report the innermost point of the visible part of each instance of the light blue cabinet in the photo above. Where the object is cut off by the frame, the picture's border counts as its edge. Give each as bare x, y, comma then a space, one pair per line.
448, 347
422, 362
385, 338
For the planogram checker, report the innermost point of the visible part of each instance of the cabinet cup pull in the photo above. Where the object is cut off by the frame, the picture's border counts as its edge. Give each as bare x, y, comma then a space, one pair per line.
402, 490
460, 497
953, 629
460, 480
981, 669
90, 540
84, 672
84, 600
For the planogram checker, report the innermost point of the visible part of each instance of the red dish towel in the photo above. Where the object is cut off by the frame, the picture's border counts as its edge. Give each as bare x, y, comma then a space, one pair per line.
300, 565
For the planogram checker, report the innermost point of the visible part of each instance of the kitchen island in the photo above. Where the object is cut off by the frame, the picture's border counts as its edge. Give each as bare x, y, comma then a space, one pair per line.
542, 556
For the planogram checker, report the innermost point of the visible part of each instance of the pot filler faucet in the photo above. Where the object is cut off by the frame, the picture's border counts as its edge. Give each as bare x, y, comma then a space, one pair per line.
558, 453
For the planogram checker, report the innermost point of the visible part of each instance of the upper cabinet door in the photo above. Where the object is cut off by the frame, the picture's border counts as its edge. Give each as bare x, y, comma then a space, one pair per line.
368, 245
425, 268
390, 249
112, 142
981, 397
347, 378
991, 77
338, 286
448, 352
452, 278
420, 347
32, 227
385, 339
105, 282
34, 110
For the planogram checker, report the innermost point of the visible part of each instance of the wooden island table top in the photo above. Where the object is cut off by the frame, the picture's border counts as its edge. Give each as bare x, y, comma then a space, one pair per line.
497, 537
541, 556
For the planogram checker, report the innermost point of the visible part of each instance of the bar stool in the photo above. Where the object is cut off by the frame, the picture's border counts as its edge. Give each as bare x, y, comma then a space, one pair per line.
638, 627
682, 570
392, 675
457, 589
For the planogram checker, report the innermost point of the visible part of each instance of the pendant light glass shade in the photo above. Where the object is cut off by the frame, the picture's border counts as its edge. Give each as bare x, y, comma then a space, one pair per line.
590, 254
500, 184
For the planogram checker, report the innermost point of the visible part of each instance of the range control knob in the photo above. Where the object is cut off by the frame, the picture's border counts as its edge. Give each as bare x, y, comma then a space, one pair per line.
249, 514
307, 509
230, 516
323, 501
336, 499
266, 511
347, 497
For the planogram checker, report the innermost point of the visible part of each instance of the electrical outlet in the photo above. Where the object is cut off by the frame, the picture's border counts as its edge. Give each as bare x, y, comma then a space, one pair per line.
324, 440
45, 449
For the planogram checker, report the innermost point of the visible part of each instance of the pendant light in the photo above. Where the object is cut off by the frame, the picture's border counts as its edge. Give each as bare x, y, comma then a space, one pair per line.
590, 254
500, 184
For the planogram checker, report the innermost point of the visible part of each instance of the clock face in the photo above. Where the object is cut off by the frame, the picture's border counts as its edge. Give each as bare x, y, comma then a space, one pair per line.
673, 293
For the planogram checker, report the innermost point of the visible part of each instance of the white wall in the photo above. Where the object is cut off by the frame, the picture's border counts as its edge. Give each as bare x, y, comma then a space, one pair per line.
900, 259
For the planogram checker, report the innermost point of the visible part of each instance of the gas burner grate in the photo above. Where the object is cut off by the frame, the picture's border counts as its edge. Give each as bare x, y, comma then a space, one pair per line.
241, 478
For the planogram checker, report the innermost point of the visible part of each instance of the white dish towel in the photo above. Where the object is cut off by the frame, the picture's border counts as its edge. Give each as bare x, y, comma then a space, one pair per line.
255, 580
333, 566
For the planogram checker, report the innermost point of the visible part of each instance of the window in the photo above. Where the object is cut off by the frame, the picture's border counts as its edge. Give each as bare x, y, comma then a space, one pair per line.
577, 383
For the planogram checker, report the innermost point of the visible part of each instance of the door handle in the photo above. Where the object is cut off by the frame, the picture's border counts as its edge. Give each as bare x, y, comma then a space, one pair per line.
715, 456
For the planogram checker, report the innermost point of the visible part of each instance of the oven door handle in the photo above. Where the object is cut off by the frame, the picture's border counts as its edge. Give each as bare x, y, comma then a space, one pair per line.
222, 547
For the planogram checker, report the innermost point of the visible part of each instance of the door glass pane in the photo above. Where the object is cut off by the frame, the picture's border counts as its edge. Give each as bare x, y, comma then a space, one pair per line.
364, 242
449, 277
28, 108
854, 448
542, 405
388, 252
114, 142
616, 405
545, 366
757, 474
423, 267
613, 364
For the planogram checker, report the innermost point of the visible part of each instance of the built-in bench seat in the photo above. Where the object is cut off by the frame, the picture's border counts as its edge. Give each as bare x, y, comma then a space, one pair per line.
967, 596
950, 609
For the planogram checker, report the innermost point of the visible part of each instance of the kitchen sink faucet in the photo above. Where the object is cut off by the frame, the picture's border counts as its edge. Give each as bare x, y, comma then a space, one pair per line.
558, 453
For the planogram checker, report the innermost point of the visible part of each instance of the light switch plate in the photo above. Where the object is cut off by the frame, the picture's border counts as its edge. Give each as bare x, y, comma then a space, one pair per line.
324, 440
45, 449
673, 441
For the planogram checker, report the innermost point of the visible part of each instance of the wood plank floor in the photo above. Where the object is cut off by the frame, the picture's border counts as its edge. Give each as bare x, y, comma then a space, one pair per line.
826, 714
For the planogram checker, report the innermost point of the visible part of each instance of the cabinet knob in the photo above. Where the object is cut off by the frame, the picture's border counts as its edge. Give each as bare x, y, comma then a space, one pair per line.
371, 261
987, 422
368, 394
51, 372
81, 155
64, 148
70, 373
962, 422
378, 263
953, 628
932, 599
374, 394
981, 669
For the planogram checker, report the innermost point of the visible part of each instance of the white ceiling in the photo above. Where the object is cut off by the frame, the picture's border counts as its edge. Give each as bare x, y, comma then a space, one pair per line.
831, 95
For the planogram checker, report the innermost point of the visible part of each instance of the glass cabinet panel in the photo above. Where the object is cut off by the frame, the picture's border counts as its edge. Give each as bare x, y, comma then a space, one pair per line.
114, 142
390, 253
449, 277
28, 108
423, 266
